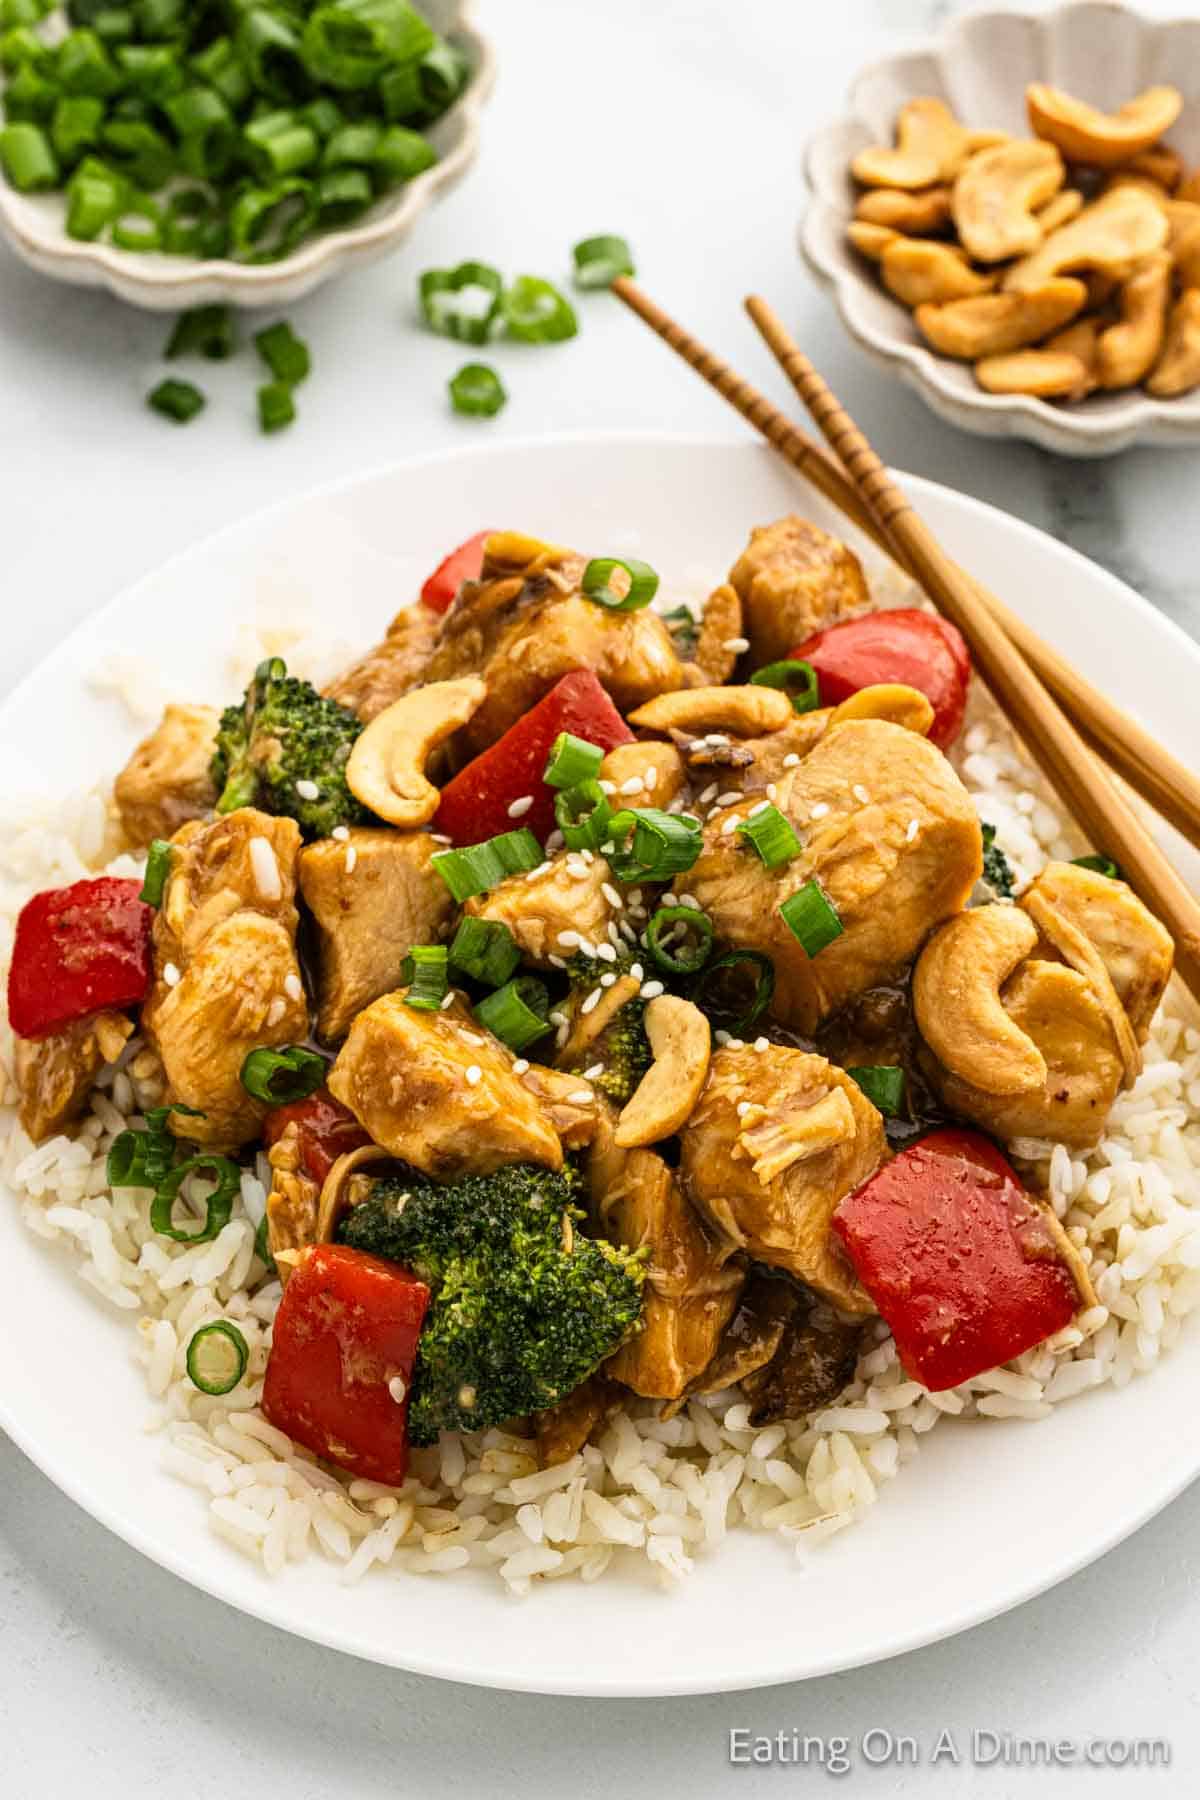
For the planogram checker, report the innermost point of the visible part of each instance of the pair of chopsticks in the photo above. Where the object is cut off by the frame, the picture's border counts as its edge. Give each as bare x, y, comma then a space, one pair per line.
1050, 704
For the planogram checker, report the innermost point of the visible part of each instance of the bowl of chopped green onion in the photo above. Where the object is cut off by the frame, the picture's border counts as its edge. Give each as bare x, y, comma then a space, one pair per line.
181, 152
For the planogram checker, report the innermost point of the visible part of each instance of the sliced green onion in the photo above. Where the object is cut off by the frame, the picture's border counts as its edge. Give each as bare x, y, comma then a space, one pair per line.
139, 151
342, 194
30, 97
425, 973
462, 303
83, 66
713, 980
516, 1013
883, 1084
583, 814
276, 406
770, 834
138, 226
599, 260
195, 224
643, 583
262, 1244
27, 158
23, 48
218, 1202
477, 391
204, 331
278, 1077
797, 679
812, 918
217, 1357
220, 65
324, 115
92, 205
75, 125
176, 400
400, 155
158, 867
207, 133
280, 143
691, 933
143, 1158
21, 12
477, 867
572, 759
486, 950
684, 628
353, 144
160, 19
350, 43
650, 845
265, 223
1103, 865
114, 24
536, 313
151, 70
442, 75
286, 355
268, 43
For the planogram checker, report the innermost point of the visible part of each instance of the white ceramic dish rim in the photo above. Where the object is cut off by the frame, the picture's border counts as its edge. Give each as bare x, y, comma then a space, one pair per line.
166, 283
1130, 418
239, 1584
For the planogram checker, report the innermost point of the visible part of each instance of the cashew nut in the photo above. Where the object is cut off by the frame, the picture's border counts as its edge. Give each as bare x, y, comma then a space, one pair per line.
1183, 240
931, 146
1046, 374
1145, 184
335, 1201
742, 711
917, 213
1189, 187
1060, 211
996, 195
917, 270
1160, 163
1079, 340
956, 999
996, 323
1126, 353
1112, 234
1102, 140
509, 551
386, 769
716, 651
889, 700
1178, 368
682, 1044
871, 240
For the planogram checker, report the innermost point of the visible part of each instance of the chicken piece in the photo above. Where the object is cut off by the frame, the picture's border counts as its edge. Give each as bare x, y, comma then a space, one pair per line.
373, 896
393, 667
891, 836
166, 781
54, 1075
720, 636
691, 1288
226, 976
569, 1102
439, 1093
1135, 949
773, 755
778, 1139
753, 1334
813, 1362
525, 623
549, 911
563, 1430
793, 579
657, 765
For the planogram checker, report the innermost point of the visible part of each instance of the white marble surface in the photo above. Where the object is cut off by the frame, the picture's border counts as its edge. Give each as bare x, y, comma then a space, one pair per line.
679, 123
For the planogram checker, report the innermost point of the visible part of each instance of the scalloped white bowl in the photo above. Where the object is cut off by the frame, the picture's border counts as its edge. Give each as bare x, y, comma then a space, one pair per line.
34, 224
981, 67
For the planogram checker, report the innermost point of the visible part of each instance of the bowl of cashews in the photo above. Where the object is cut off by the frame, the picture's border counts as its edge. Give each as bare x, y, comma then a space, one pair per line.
1009, 220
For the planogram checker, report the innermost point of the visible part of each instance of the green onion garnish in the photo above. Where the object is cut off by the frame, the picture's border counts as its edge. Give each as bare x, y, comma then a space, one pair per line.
486, 950
797, 679
684, 628
883, 1084
265, 223
276, 407
286, 355
204, 331
599, 260
811, 917
75, 125
710, 987
262, 1244
572, 759
462, 303
478, 867
643, 583
27, 158
142, 1159
583, 814
536, 313
1103, 865
477, 391
770, 834
158, 867
176, 400
217, 1357
690, 936
650, 845
516, 1013
218, 1202
425, 972
278, 1077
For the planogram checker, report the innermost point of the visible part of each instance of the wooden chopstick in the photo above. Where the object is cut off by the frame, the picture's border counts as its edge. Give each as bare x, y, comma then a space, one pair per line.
1161, 779
1048, 733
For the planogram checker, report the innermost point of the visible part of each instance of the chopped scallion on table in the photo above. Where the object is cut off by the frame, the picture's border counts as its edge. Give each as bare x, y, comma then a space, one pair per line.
286, 355
599, 260
27, 158
536, 313
204, 331
462, 303
477, 391
176, 400
276, 407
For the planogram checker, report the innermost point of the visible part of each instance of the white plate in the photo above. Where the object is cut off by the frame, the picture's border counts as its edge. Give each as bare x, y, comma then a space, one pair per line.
986, 1516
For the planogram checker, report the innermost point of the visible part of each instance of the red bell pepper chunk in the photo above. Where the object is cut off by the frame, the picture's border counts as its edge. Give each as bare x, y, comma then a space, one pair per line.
916, 648
475, 804
463, 564
78, 949
325, 1130
342, 1349
964, 1266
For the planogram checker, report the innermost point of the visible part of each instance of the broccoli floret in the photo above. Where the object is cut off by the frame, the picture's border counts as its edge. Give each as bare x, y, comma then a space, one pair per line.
524, 1305
622, 1046
282, 733
997, 870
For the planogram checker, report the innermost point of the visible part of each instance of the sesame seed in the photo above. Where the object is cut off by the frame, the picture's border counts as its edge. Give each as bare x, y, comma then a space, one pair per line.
731, 825
606, 953
690, 900
293, 987
447, 1000
721, 1037
398, 1389
568, 939
556, 962
592, 1001
614, 936
710, 793
474, 1075
628, 932
470, 1037
532, 874
651, 778
611, 895
737, 1043
761, 1044
520, 807
581, 1097
557, 1018
589, 856
520, 1066
677, 805
634, 785
578, 871
276, 1010
634, 897
555, 842
264, 866
439, 837
342, 832
607, 980
717, 737
652, 989
760, 808
913, 827
586, 945
466, 1397
637, 971
860, 793
772, 790
791, 760
308, 790
592, 1074
736, 645
820, 809
729, 796
351, 858
171, 975
608, 787
743, 1106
